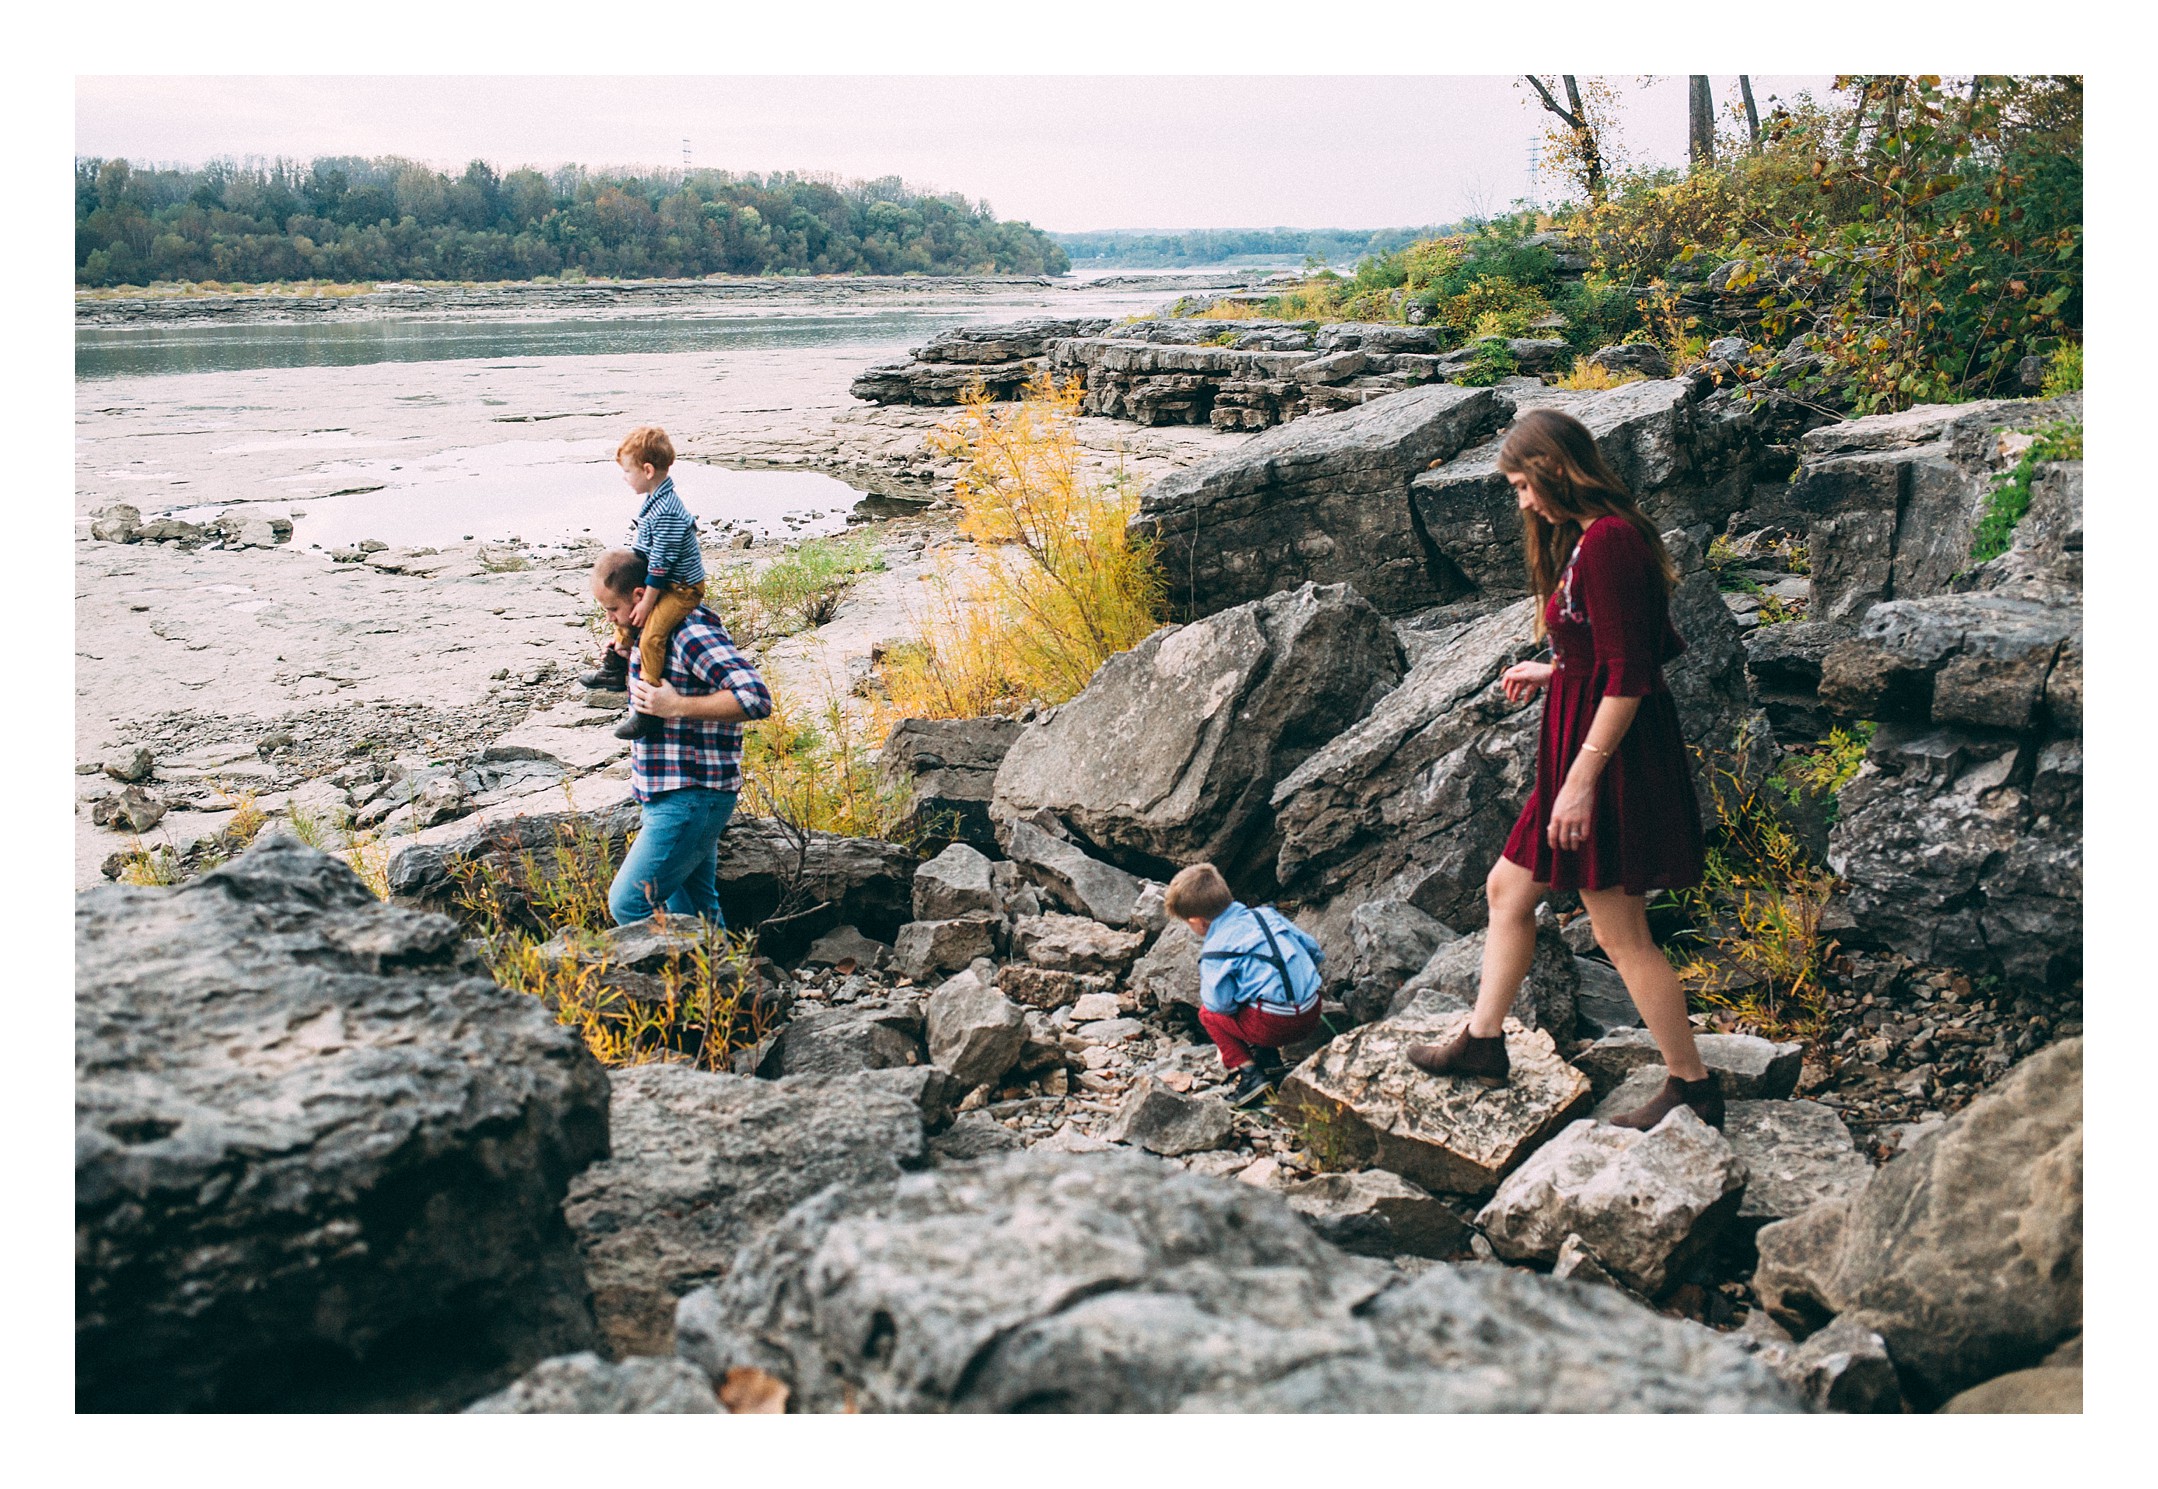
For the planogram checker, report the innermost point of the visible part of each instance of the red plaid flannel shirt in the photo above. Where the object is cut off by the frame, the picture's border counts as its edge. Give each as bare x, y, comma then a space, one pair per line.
701, 659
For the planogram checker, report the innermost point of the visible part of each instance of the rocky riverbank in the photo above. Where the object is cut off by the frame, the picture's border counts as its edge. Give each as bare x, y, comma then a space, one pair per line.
1008, 1027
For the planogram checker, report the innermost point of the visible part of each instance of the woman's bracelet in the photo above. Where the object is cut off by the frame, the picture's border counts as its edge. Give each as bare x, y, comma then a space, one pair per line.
1595, 749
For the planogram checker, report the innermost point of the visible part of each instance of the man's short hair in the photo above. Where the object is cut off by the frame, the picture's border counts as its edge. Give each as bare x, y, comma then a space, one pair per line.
647, 444
620, 572
1198, 891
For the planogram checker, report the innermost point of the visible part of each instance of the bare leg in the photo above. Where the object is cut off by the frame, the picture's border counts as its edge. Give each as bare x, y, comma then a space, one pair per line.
1509, 944
1621, 924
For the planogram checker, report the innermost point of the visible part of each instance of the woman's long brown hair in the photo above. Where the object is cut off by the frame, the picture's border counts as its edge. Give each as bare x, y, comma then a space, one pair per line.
1559, 456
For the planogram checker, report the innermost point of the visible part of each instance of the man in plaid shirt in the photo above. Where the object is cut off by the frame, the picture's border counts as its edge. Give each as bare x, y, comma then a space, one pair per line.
687, 775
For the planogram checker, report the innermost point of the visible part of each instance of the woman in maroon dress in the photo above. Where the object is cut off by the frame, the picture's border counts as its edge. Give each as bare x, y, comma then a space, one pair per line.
1613, 814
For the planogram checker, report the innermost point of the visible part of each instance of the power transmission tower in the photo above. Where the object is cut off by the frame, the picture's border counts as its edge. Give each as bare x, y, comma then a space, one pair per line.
685, 154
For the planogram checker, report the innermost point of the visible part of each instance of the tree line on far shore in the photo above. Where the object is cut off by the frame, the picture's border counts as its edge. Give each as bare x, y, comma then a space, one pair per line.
1143, 248
349, 219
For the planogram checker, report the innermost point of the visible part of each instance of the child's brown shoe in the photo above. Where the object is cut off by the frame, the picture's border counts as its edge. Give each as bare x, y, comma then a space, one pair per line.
1481, 1060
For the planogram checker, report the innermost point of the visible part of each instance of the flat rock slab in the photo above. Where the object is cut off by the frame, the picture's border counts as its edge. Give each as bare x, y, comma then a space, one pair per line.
1447, 1134
1644, 1201
1080, 883
1797, 1154
1376, 1213
309, 1127
699, 1163
1746, 1068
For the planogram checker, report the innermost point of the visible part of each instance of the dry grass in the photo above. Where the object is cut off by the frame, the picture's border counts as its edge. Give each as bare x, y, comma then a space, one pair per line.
367, 856
154, 867
1593, 377
1759, 951
1061, 590
700, 1008
812, 770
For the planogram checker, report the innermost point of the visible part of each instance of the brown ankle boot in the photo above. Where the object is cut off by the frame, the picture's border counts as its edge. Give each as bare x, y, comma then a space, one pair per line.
1703, 1095
1481, 1060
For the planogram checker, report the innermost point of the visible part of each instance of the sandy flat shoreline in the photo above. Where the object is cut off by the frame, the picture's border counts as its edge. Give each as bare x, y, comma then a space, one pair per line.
203, 655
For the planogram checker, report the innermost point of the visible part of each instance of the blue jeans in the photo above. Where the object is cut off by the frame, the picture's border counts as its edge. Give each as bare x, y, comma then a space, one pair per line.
675, 861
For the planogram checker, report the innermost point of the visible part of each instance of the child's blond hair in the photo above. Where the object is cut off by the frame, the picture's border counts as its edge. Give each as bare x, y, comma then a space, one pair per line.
647, 444
1198, 892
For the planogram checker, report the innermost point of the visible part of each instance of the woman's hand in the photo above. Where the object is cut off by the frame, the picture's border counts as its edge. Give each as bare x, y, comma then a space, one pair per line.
1523, 679
1570, 815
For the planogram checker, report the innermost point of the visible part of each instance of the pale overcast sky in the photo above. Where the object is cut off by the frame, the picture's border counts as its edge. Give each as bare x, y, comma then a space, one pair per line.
1065, 153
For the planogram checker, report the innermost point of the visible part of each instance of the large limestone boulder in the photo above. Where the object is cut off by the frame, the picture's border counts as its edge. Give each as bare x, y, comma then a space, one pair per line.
1966, 1253
1961, 838
956, 882
1646, 1202
1115, 1282
948, 768
1448, 1134
1448, 982
310, 1135
700, 1164
1169, 755
847, 1040
1323, 500
1686, 466
1002, 358
1389, 942
585, 1384
1798, 1154
1075, 879
1891, 502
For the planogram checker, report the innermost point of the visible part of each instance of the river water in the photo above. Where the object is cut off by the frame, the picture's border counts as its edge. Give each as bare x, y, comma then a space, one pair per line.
424, 430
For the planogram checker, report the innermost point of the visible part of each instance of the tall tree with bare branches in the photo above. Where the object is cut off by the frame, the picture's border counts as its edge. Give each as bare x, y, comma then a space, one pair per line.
1580, 147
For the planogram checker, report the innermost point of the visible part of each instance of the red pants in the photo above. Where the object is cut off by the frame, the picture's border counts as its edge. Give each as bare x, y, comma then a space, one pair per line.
1250, 1028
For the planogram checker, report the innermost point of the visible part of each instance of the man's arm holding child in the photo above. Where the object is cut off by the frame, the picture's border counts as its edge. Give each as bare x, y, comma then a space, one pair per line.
738, 693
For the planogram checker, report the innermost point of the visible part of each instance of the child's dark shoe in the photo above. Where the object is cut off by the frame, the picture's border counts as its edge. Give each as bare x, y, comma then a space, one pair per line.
1703, 1095
610, 676
637, 725
1253, 1082
1481, 1060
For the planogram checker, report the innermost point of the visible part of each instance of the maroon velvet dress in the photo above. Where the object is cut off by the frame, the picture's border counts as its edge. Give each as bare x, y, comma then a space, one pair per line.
1611, 633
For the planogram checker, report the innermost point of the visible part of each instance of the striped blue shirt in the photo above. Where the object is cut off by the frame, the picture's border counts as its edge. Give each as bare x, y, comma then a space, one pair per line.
667, 537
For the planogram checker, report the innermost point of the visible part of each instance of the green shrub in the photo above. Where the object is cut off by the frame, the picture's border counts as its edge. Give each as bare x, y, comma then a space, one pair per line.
1490, 360
2064, 370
